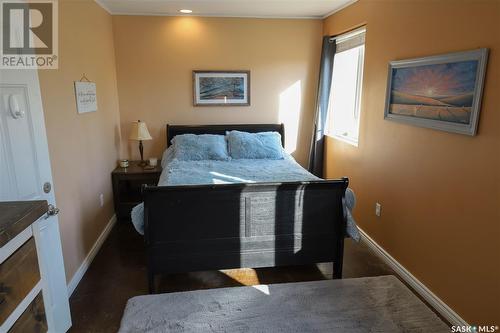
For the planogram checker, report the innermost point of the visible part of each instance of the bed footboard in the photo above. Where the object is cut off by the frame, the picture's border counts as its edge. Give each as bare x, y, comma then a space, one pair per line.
222, 226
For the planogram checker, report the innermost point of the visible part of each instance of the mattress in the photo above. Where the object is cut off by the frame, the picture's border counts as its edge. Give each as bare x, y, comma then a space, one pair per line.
176, 172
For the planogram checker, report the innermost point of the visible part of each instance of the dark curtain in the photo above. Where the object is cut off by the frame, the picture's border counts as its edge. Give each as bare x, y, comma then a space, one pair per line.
324, 85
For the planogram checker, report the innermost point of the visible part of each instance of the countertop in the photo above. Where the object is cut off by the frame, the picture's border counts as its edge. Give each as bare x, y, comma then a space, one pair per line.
15, 216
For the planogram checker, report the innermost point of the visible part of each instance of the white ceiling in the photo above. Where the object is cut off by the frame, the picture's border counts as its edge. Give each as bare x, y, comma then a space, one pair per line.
227, 8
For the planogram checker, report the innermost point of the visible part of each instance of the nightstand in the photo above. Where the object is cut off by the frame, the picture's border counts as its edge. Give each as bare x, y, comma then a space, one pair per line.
127, 184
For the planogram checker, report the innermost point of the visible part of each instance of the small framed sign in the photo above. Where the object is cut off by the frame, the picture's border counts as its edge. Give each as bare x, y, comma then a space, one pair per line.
86, 97
221, 88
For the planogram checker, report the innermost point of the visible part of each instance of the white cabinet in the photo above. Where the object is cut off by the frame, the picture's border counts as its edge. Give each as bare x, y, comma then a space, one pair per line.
31, 274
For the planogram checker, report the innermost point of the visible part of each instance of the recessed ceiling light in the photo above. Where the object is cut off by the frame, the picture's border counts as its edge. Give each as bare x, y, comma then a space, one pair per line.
186, 11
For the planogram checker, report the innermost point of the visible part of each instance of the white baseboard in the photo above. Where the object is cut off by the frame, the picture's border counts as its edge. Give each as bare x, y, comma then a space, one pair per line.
77, 277
418, 286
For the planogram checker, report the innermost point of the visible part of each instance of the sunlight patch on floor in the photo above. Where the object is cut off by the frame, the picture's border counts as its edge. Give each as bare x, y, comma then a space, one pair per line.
262, 288
245, 276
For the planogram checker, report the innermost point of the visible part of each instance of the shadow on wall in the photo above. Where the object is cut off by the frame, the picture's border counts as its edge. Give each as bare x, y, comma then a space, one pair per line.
118, 138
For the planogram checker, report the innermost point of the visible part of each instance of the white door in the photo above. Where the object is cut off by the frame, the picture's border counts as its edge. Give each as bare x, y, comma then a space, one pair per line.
25, 174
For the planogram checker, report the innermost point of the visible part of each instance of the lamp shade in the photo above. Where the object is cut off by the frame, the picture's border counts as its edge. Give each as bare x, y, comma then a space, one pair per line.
139, 131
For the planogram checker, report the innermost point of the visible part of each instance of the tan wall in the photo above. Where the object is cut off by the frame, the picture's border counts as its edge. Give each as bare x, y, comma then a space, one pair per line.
440, 192
155, 57
83, 148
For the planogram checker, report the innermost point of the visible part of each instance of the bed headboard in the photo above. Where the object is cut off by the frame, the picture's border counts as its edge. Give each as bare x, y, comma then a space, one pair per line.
173, 130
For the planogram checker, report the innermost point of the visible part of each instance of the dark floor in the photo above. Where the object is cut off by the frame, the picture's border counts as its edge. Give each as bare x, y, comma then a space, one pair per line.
118, 273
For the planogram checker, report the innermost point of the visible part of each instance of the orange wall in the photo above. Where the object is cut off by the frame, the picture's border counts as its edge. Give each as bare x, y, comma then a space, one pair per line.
155, 57
440, 191
83, 148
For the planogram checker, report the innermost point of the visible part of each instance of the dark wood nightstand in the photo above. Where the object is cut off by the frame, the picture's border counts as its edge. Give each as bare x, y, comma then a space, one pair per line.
127, 184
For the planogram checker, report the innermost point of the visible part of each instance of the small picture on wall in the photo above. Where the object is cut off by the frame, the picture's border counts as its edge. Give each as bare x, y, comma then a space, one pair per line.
86, 97
221, 88
440, 92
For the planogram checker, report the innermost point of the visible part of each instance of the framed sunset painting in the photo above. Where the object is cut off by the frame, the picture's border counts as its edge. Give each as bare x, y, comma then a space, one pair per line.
221, 88
441, 92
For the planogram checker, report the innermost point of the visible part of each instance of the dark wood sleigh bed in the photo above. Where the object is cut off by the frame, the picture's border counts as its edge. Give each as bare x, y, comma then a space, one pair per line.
221, 226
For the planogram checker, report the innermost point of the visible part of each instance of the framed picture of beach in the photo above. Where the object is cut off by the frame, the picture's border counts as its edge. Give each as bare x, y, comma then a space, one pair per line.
440, 92
221, 88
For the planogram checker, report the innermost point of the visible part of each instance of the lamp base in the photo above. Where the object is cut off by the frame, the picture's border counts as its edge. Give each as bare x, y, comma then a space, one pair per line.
142, 163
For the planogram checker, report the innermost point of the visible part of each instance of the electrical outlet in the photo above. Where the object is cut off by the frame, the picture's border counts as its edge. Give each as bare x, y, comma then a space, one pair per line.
101, 199
378, 209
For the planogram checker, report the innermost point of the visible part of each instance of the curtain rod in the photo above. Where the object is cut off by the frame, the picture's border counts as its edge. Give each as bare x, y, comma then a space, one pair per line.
348, 34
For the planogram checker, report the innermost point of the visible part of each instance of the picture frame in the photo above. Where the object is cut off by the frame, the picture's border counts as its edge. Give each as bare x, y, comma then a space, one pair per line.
221, 88
441, 92
86, 97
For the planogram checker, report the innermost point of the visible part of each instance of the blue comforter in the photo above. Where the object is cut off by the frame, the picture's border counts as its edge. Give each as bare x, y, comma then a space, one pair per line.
176, 172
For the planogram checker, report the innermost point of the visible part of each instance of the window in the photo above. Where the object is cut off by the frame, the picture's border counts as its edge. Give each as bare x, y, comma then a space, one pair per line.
345, 95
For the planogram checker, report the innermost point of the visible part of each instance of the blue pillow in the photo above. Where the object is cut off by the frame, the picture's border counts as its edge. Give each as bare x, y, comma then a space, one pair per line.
191, 147
263, 145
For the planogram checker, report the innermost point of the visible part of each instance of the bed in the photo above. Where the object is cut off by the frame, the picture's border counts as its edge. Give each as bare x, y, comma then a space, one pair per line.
207, 215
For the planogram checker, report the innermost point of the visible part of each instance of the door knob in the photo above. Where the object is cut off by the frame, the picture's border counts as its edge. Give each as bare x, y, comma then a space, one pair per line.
53, 210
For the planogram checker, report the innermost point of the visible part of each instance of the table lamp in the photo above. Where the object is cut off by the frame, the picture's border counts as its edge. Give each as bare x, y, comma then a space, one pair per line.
140, 133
